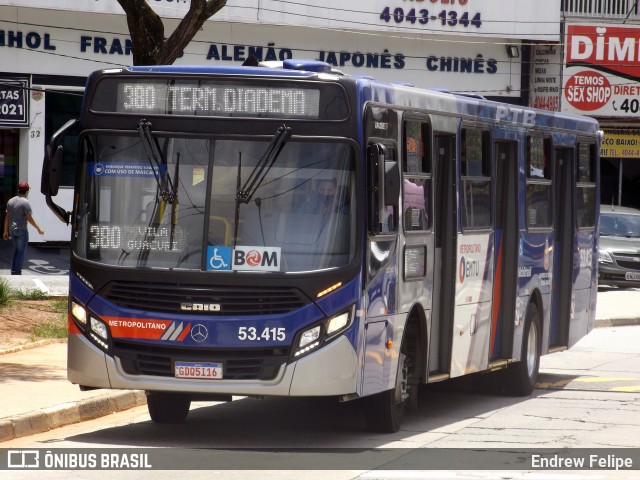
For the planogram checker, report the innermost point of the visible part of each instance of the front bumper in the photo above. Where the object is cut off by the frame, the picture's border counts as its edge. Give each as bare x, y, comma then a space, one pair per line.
331, 370
613, 275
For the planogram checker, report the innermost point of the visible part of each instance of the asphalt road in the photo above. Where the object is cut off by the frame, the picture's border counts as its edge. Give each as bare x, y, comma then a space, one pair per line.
41, 260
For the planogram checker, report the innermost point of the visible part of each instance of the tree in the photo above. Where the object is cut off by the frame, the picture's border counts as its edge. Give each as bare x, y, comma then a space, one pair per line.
150, 47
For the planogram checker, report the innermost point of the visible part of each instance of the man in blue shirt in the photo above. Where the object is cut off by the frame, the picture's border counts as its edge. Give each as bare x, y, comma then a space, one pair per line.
15, 226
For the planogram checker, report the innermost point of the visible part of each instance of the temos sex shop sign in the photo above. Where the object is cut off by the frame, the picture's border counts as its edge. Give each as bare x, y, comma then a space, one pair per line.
602, 71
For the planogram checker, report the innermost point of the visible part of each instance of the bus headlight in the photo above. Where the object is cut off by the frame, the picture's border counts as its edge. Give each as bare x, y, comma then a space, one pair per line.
337, 323
99, 333
309, 336
321, 333
100, 328
79, 313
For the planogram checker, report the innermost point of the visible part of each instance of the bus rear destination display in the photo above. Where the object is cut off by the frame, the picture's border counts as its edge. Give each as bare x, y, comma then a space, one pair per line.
209, 99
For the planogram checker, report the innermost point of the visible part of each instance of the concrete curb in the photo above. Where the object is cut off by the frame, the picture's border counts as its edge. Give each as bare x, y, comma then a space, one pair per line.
28, 346
616, 322
46, 419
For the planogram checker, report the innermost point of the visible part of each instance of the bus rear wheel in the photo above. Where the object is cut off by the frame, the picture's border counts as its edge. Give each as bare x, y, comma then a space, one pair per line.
168, 407
520, 378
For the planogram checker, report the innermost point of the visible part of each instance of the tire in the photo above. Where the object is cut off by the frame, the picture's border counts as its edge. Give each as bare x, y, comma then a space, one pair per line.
383, 411
520, 378
166, 407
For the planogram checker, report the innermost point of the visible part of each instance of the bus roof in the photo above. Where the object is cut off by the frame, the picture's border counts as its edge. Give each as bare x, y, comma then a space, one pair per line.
392, 93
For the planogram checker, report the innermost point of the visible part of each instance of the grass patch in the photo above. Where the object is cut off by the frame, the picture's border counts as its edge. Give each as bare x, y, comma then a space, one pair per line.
5, 292
56, 328
53, 329
35, 294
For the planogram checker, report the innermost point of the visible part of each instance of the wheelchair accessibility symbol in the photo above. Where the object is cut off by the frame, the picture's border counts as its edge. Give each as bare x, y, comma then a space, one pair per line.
219, 258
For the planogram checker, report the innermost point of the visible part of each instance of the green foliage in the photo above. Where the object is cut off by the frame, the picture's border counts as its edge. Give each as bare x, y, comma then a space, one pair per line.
54, 329
5, 292
35, 294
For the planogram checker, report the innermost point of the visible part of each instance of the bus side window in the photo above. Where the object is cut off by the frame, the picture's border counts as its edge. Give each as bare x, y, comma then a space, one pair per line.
586, 186
416, 176
538, 189
475, 162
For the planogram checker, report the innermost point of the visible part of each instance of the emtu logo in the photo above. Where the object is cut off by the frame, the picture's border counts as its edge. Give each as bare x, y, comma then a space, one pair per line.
468, 269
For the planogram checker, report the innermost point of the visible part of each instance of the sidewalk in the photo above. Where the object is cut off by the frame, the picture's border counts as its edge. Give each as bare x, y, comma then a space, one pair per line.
35, 395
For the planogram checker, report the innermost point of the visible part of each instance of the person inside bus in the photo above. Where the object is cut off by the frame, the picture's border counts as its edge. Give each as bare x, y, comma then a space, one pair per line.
324, 199
326, 190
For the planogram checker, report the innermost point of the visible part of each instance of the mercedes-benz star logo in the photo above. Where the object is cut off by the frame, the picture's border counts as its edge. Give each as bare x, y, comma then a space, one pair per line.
199, 332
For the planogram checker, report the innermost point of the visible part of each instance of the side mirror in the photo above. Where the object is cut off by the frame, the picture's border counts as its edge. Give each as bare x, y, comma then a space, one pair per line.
52, 168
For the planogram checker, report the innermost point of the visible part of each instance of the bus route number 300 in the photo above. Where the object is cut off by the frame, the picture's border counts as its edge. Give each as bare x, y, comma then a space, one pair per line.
252, 334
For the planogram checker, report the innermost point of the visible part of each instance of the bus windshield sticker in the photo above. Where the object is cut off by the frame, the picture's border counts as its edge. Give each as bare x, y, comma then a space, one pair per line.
257, 259
251, 259
219, 258
124, 169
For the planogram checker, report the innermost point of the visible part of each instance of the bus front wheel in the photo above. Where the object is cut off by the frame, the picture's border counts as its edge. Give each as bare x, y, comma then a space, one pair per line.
521, 377
168, 407
383, 411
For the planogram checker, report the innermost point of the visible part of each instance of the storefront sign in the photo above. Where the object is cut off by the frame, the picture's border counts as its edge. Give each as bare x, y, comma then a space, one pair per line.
483, 18
62, 49
621, 143
545, 78
602, 71
14, 105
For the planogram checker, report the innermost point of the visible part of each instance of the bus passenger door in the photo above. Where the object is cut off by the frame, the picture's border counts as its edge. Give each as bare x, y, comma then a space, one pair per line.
563, 247
506, 251
474, 253
444, 257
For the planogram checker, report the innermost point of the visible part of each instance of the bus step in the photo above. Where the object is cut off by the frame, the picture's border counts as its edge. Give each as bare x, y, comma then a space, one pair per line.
498, 365
437, 377
559, 348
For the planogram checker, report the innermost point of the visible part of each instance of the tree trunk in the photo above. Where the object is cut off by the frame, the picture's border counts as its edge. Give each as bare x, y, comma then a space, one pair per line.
147, 30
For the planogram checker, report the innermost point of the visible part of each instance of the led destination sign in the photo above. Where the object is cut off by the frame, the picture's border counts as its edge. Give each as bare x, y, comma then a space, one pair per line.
209, 98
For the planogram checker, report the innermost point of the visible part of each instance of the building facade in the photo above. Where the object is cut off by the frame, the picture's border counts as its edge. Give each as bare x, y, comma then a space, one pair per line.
595, 71
49, 47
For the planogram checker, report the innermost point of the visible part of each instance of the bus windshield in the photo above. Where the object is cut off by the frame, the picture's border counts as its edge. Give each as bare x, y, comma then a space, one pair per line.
211, 204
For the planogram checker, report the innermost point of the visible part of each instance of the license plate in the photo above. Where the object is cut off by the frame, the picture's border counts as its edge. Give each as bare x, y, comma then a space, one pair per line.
632, 276
211, 371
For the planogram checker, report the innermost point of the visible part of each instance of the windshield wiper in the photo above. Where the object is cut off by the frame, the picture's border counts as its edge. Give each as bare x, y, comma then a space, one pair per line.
260, 171
167, 189
154, 156
245, 193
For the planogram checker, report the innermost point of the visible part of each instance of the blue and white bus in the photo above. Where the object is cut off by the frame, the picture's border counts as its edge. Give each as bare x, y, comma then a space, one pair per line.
294, 231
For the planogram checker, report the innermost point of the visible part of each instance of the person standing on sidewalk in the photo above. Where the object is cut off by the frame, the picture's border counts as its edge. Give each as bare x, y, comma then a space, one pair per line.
15, 226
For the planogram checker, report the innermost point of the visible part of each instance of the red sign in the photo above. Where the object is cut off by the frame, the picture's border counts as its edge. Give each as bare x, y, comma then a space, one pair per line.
608, 48
587, 90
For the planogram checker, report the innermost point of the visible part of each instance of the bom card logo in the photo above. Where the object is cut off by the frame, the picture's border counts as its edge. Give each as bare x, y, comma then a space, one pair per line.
265, 259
